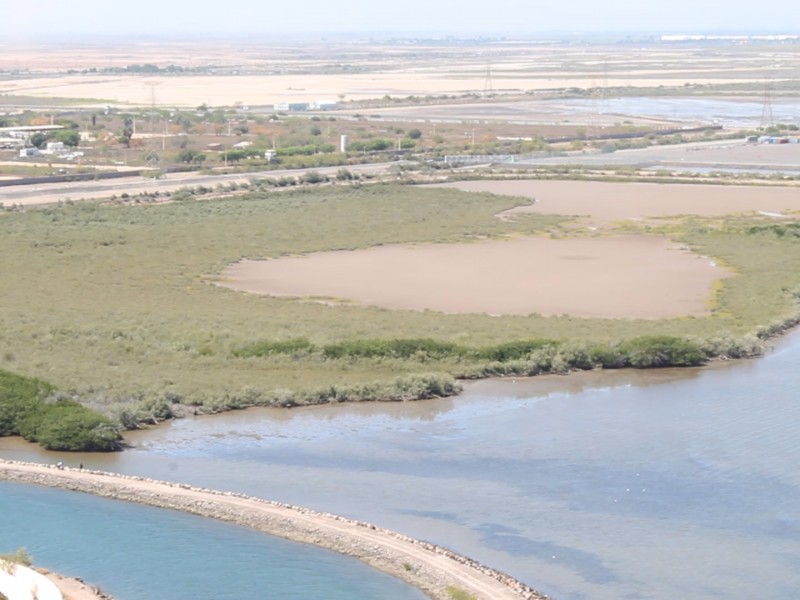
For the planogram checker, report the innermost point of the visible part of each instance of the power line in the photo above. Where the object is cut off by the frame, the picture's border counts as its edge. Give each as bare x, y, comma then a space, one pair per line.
767, 116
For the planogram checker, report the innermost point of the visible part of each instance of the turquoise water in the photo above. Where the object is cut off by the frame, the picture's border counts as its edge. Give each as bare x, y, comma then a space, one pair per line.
143, 553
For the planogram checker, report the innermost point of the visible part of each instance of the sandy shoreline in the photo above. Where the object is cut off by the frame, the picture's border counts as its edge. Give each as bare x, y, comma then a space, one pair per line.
430, 568
73, 588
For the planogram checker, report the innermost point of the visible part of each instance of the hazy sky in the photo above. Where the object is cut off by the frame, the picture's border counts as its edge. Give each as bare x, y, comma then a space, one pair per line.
439, 17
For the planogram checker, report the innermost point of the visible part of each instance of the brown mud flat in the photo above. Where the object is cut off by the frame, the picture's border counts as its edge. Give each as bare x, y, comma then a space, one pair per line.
629, 276
604, 203
426, 566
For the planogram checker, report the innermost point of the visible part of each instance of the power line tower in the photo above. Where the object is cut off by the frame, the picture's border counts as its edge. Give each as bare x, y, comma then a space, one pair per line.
767, 116
151, 156
488, 83
597, 91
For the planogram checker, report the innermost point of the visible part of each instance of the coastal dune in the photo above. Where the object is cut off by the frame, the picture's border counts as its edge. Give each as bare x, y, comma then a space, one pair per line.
426, 566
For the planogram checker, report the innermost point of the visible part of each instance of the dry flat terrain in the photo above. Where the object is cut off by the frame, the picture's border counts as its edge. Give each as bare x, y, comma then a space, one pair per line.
635, 277
602, 203
256, 73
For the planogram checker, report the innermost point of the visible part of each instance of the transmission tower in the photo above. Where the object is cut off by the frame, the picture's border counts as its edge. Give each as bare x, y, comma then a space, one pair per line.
488, 83
767, 117
151, 156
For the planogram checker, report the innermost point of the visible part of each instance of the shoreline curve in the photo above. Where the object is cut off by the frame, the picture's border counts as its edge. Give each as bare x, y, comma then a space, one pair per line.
428, 567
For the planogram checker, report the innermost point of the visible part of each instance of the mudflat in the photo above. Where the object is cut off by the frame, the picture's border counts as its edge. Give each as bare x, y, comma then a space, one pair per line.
625, 276
603, 203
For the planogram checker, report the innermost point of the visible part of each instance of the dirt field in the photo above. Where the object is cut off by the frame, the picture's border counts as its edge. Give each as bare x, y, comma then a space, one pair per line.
190, 91
642, 277
258, 74
605, 203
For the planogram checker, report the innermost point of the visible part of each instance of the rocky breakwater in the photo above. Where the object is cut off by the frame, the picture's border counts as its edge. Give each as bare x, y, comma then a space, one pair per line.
431, 568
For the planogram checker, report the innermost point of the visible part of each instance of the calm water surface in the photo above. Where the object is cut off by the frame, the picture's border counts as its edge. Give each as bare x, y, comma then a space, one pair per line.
611, 485
144, 553
730, 113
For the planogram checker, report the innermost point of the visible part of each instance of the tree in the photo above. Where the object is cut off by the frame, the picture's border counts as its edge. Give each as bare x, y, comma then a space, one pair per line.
191, 156
127, 132
68, 138
38, 140
415, 134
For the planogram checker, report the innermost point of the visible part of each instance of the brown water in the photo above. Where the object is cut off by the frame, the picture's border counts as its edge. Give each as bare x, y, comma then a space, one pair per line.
662, 484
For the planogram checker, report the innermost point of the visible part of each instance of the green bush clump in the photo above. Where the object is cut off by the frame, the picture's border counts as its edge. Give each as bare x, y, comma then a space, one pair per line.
19, 398
523, 357
783, 230
266, 348
63, 425
409, 387
662, 351
514, 350
70, 426
395, 348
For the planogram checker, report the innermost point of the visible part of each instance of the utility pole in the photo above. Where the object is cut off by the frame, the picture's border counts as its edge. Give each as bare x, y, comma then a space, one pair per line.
488, 84
767, 116
151, 157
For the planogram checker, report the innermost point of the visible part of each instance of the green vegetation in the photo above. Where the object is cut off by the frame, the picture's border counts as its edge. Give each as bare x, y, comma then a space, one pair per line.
20, 556
115, 305
60, 425
459, 594
640, 353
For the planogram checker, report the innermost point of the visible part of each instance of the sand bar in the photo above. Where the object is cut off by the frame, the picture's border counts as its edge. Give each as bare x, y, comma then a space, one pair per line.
426, 566
628, 276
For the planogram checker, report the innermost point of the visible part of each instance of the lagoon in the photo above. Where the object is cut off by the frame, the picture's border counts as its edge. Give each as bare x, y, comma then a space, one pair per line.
142, 553
669, 483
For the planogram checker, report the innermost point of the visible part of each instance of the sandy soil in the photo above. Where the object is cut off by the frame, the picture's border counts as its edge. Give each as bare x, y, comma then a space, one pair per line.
604, 203
191, 91
644, 277
424, 565
74, 589
257, 74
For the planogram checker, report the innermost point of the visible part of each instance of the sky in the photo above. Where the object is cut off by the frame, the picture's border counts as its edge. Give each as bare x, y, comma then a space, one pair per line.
491, 18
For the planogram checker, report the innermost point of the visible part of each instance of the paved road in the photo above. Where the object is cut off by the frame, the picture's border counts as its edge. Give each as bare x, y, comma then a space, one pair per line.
84, 190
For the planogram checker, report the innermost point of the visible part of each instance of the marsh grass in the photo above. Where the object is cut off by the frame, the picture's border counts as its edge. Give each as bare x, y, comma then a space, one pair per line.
116, 304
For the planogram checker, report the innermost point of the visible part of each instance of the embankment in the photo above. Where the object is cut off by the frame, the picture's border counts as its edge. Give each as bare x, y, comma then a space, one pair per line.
426, 566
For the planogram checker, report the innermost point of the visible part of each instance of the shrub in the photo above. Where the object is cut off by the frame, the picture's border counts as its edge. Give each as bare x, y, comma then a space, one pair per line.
662, 351
19, 398
292, 346
313, 177
20, 556
63, 425
69, 426
395, 348
514, 350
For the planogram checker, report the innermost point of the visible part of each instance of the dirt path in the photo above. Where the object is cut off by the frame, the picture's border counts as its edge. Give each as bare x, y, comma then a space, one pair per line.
430, 568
